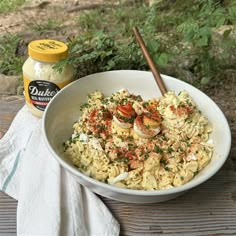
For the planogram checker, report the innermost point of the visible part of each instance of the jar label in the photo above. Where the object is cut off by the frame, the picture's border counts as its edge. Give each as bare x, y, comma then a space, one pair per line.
41, 92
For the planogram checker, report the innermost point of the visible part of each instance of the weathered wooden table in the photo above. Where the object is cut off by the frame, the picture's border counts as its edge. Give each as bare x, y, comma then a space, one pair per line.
209, 209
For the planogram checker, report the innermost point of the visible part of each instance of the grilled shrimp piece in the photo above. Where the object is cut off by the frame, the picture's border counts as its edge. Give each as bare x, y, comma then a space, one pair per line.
147, 125
124, 116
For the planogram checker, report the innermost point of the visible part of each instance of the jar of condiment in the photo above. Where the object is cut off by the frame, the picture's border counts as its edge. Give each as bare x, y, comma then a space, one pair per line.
41, 80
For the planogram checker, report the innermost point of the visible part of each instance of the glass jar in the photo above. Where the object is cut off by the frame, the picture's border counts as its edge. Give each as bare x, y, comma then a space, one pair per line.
41, 80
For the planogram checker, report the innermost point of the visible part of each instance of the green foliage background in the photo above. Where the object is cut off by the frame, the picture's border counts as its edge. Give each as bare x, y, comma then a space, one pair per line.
175, 33
10, 5
180, 36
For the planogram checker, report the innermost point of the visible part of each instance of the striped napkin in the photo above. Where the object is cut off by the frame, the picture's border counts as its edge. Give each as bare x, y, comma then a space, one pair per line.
50, 200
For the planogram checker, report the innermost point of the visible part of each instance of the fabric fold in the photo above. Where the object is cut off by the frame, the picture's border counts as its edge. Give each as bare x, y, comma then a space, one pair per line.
50, 200
38, 208
12, 147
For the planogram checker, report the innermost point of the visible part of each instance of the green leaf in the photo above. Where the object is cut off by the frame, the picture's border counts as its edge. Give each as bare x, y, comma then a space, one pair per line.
163, 59
155, 57
152, 46
205, 80
227, 33
232, 14
203, 41
220, 22
98, 33
189, 36
110, 65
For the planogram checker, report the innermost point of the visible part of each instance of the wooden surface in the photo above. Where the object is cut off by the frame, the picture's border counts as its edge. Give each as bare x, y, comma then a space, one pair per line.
209, 209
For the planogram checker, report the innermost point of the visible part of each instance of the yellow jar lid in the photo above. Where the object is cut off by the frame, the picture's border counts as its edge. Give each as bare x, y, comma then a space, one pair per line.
47, 50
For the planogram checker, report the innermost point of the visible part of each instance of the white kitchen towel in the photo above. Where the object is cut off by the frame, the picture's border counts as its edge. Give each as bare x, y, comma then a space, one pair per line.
50, 200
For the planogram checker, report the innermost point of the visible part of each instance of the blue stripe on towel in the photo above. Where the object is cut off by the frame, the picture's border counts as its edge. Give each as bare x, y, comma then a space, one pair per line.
9, 177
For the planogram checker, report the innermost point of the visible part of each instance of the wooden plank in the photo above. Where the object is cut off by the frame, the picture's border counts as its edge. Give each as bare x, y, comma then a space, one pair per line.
9, 106
209, 209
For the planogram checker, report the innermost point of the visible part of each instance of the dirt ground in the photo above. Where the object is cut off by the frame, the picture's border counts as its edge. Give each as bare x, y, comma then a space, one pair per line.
38, 11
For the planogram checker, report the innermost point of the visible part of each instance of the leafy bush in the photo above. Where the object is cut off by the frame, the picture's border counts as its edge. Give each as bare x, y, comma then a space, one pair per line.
6, 5
10, 64
171, 34
197, 30
182, 43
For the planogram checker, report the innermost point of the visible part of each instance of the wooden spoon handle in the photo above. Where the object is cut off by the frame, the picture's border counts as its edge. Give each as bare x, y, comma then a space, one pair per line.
150, 62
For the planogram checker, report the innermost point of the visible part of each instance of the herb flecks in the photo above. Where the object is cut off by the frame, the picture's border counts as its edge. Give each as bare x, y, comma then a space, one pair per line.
157, 149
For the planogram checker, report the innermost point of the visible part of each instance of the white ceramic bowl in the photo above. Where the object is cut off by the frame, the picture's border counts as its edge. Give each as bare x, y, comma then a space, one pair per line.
64, 110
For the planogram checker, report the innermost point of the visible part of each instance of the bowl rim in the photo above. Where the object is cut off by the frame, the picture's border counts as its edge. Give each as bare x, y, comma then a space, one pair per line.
159, 192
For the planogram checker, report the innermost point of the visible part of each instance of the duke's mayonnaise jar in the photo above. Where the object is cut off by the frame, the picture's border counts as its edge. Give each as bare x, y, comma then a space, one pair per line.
41, 80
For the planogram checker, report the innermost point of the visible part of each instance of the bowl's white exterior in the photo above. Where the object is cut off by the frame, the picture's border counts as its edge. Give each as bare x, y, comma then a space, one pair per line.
64, 110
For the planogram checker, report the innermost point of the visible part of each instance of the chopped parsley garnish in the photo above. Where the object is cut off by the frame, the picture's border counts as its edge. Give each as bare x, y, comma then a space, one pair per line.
125, 119
105, 101
158, 149
163, 162
146, 156
145, 104
164, 138
83, 167
130, 145
124, 101
65, 146
188, 102
170, 150
130, 138
188, 144
139, 98
123, 159
167, 168
85, 105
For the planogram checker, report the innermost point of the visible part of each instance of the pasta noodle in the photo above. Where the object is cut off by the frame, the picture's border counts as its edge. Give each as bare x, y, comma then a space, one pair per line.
125, 141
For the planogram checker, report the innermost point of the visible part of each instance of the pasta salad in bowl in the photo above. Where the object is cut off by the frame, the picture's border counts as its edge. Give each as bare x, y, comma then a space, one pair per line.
128, 142
123, 140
